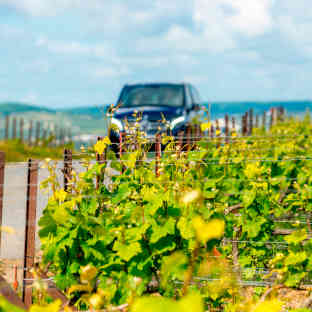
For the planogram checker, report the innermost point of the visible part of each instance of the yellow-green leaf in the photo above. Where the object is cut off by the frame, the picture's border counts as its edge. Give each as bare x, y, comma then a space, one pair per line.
52, 307
207, 231
273, 305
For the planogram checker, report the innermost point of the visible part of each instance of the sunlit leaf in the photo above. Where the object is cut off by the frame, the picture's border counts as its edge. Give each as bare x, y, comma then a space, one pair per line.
207, 231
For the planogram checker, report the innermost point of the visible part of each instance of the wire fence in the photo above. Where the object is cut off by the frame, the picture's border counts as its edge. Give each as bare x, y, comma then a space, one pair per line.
24, 192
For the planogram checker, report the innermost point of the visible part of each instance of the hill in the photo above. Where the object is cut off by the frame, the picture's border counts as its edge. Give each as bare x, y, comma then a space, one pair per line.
94, 111
91, 119
292, 107
8, 108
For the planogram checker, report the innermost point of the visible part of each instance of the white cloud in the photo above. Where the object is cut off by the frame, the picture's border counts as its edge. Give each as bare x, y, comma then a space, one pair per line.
223, 17
294, 20
37, 66
107, 72
232, 42
8, 31
75, 47
30, 97
50, 7
219, 26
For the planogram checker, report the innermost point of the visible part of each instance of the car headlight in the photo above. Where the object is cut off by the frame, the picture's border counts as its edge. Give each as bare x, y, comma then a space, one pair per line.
117, 123
176, 121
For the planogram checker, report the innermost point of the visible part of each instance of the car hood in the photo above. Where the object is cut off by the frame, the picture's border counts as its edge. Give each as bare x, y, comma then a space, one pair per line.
150, 113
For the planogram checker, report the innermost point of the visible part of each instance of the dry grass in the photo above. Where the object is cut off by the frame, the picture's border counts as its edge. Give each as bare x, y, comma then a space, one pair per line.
17, 152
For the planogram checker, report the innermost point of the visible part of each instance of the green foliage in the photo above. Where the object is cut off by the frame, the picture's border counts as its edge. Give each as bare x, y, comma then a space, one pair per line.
5, 306
147, 234
192, 302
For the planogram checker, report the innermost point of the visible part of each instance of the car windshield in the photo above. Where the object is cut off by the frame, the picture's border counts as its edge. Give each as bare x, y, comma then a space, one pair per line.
152, 95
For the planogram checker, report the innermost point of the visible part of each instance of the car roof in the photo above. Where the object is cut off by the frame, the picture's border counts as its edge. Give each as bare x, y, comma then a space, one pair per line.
156, 84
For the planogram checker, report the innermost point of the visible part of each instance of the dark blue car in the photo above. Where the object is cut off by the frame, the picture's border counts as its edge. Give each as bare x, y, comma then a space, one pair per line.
177, 103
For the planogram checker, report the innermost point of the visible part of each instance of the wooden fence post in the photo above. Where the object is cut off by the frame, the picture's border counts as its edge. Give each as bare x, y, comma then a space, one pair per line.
14, 129
158, 153
2, 169
55, 135
233, 124
257, 121
70, 136
243, 125
197, 133
62, 136
120, 144
38, 125
7, 125
246, 123
120, 147
30, 230
44, 134
212, 131
22, 130
30, 131
283, 113
280, 111
251, 121
68, 167
180, 142
264, 120
227, 128
188, 137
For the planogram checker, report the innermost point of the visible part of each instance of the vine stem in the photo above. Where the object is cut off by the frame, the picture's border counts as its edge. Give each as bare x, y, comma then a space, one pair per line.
190, 270
269, 291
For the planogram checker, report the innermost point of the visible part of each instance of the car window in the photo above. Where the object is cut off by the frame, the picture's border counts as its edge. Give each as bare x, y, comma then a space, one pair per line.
152, 95
195, 96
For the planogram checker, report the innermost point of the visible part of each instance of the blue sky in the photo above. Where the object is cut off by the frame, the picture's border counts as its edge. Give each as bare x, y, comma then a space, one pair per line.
64, 53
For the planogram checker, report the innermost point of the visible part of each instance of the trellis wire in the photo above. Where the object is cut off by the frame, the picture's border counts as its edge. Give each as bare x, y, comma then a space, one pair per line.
217, 140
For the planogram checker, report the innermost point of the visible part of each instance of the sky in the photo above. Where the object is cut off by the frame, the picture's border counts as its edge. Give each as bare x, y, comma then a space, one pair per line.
67, 53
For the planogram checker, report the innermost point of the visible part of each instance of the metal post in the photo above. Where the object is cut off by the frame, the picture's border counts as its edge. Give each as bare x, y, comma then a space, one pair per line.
38, 132
55, 135
233, 124
243, 125
22, 130
7, 125
212, 131
246, 123
257, 121
68, 167
188, 137
30, 230
251, 121
14, 129
227, 128
30, 132
62, 137
264, 120
2, 168
180, 142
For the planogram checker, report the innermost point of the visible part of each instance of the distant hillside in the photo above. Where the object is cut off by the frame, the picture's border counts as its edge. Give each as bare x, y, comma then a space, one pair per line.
8, 108
292, 107
91, 119
94, 111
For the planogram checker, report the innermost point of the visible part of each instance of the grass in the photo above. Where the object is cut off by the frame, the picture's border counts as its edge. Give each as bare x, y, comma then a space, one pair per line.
16, 151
